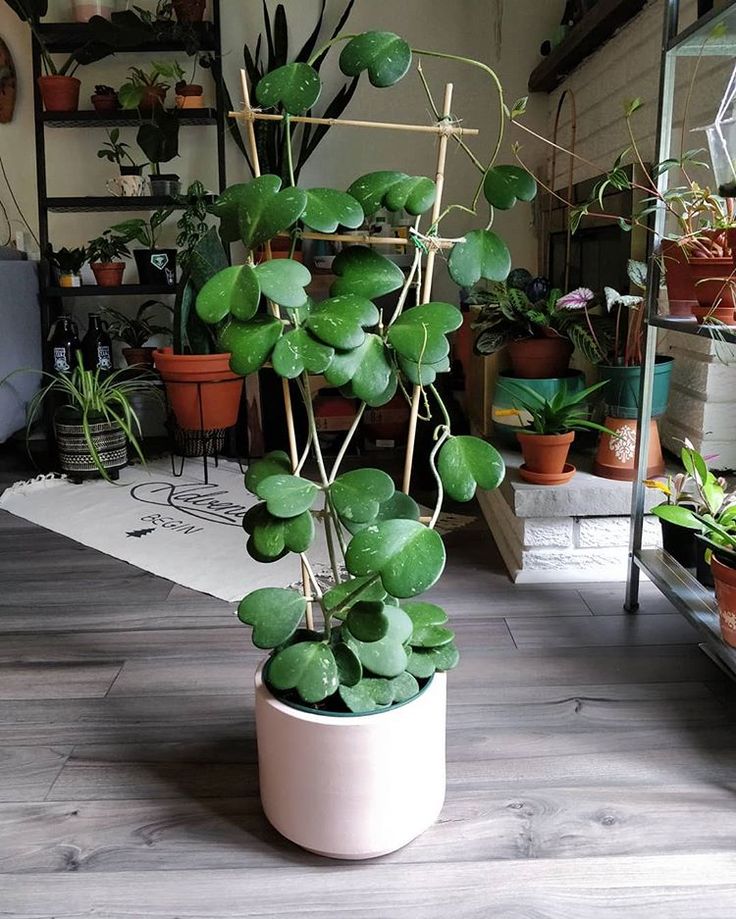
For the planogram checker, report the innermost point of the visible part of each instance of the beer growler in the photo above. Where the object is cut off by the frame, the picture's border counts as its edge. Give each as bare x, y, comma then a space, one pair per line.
64, 345
96, 346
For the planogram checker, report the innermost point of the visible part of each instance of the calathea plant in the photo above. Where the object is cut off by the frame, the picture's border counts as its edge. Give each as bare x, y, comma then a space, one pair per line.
376, 643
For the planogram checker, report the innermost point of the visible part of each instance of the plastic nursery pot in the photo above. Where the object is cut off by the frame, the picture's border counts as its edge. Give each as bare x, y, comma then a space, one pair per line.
203, 392
545, 456
138, 356
59, 94
505, 428
680, 289
714, 282
156, 266
621, 395
703, 571
190, 95
165, 185
539, 358
189, 10
104, 104
74, 457
616, 453
108, 274
724, 577
84, 10
386, 772
679, 542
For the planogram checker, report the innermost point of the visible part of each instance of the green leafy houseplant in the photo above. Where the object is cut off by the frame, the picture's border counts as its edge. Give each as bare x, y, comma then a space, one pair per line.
376, 643
68, 261
134, 331
145, 232
146, 89
115, 151
106, 248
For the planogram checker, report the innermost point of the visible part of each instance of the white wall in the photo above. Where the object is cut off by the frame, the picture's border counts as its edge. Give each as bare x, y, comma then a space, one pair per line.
502, 33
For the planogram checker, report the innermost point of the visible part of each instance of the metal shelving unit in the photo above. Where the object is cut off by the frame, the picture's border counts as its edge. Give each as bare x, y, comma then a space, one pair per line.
713, 35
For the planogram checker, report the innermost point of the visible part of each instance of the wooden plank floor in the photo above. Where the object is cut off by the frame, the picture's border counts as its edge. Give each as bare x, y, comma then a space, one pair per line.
592, 756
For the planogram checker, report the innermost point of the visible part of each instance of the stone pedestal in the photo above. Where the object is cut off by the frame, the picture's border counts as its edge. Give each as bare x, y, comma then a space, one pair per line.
573, 532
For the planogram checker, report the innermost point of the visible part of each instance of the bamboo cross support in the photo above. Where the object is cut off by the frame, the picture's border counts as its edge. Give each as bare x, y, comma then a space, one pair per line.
445, 128
427, 286
368, 240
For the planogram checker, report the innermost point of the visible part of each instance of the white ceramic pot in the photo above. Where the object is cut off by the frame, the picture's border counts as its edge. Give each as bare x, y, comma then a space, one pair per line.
353, 786
84, 10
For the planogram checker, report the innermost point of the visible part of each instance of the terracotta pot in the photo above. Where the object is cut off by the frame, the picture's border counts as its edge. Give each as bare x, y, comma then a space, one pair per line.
152, 96
203, 392
387, 772
59, 94
714, 280
680, 290
189, 10
616, 454
108, 274
139, 356
724, 577
540, 358
8, 84
104, 104
545, 453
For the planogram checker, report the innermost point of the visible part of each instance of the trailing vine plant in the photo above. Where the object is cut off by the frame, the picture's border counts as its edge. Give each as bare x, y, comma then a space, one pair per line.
367, 642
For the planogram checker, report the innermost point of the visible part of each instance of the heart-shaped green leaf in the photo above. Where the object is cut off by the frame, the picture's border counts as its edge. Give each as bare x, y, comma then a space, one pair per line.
287, 495
395, 191
327, 209
283, 280
275, 463
423, 662
338, 600
366, 621
386, 657
465, 462
408, 556
295, 87
423, 374
340, 321
503, 185
265, 209
309, 667
250, 343
227, 208
385, 56
358, 495
273, 613
369, 695
272, 537
482, 255
367, 369
297, 351
349, 668
398, 507
362, 272
233, 291
299, 532
419, 334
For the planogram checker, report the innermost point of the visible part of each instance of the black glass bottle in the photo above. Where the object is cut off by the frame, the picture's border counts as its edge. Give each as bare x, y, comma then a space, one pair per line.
96, 346
64, 345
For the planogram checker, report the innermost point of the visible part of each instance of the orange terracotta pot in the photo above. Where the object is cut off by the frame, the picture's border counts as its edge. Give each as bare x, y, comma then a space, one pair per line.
540, 358
545, 454
189, 10
724, 577
59, 94
616, 455
203, 392
680, 290
152, 96
139, 356
714, 280
108, 274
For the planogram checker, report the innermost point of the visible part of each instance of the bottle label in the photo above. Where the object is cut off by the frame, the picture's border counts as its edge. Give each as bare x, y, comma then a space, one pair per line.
61, 360
104, 358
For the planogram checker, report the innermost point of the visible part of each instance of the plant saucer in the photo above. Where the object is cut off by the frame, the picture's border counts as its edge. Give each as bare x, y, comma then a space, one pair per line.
547, 478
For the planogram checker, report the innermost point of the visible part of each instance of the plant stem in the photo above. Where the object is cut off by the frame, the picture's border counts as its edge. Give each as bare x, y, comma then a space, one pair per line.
446, 430
346, 443
326, 47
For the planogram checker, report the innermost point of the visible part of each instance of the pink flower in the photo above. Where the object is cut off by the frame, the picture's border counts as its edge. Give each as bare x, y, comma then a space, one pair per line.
576, 299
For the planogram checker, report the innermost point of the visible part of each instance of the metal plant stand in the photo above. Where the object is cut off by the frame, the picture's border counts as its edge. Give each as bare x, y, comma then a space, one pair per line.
711, 36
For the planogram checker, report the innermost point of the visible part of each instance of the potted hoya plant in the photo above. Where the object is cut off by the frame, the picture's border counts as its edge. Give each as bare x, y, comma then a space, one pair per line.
105, 254
136, 331
350, 701
156, 266
546, 440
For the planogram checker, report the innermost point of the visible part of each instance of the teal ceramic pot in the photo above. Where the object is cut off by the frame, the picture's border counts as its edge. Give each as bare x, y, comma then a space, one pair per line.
622, 392
505, 429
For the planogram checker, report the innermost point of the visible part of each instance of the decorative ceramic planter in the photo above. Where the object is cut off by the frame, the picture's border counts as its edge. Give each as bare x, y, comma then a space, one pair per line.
545, 458
540, 358
724, 577
203, 392
352, 786
621, 395
505, 428
156, 266
59, 94
616, 453
74, 457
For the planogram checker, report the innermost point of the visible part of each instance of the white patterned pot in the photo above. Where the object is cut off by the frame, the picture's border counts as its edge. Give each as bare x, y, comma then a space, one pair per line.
352, 786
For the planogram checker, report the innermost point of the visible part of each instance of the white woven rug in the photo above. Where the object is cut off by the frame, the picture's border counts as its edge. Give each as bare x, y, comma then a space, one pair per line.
177, 528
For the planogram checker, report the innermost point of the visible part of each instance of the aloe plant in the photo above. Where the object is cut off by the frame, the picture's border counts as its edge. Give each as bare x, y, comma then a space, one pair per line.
369, 640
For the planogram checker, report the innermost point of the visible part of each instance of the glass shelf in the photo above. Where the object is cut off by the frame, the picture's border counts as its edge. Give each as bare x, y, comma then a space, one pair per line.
713, 35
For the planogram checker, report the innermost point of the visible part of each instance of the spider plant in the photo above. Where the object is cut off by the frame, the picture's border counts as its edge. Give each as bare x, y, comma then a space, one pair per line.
135, 331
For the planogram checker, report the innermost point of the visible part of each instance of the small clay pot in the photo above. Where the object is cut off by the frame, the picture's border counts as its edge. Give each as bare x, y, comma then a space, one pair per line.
724, 577
616, 452
59, 94
545, 454
540, 358
189, 95
152, 97
108, 274
680, 290
139, 356
189, 10
714, 280
105, 104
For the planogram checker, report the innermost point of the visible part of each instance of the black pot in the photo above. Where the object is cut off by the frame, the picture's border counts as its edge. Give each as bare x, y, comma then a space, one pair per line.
131, 170
165, 185
75, 458
702, 568
680, 543
156, 266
